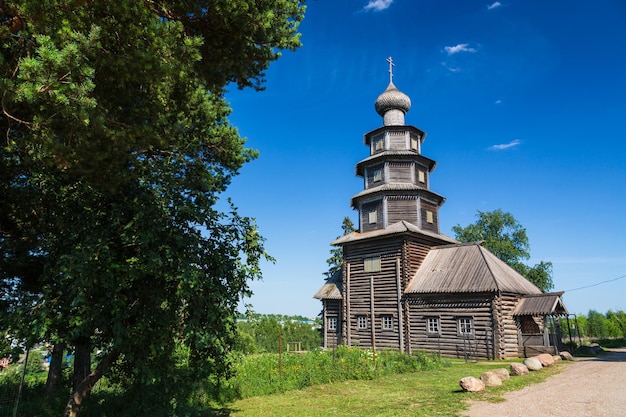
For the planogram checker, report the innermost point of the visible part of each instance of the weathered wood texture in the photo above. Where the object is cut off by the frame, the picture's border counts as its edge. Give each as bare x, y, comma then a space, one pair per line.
448, 309
332, 338
366, 209
425, 207
399, 208
506, 330
385, 288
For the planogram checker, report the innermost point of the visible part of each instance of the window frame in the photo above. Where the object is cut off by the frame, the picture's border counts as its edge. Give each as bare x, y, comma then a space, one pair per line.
361, 322
332, 324
430, 217
461, 326
386, 322
433, 326
371, 264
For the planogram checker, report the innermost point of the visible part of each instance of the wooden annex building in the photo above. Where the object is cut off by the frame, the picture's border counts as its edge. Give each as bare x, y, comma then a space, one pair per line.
406, 286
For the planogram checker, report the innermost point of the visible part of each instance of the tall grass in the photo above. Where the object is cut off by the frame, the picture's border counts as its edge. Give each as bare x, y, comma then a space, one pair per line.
265, 374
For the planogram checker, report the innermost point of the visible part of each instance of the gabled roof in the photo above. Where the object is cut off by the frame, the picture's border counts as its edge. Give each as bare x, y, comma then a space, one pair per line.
541, 305
467, 268
396, 228
331, 290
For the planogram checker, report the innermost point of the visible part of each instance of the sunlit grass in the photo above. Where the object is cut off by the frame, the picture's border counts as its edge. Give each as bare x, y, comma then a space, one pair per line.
425, 393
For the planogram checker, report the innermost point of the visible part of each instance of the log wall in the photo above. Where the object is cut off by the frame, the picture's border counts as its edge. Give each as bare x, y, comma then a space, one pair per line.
359, 286
332, 308
448, 309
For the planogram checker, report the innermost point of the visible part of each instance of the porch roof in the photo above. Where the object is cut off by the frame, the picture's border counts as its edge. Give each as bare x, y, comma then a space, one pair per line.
541, 305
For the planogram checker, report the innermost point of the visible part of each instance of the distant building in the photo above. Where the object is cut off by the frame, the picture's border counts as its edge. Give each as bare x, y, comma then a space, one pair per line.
406, 286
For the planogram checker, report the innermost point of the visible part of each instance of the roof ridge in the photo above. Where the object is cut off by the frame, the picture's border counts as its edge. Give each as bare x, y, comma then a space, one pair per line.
493, 276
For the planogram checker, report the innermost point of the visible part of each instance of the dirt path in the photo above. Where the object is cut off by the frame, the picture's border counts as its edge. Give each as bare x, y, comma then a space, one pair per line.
589, 387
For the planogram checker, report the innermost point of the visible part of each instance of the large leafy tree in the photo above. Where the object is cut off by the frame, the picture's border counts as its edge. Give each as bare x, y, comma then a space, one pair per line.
506, 238
115, 148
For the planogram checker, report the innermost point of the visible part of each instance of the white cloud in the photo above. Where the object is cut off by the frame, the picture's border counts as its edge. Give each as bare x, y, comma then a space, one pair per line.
503, 146
378, 5
450, 68
494, 5
498, 101
462, 47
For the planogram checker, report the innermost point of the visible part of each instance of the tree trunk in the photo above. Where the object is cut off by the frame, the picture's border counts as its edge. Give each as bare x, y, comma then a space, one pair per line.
85, 386
82, 364
54, 372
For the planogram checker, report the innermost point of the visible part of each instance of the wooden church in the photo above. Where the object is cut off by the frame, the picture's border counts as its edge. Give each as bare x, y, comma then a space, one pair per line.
404, 285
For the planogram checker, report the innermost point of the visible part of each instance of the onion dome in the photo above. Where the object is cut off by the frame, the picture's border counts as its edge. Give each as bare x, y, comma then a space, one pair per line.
392, 105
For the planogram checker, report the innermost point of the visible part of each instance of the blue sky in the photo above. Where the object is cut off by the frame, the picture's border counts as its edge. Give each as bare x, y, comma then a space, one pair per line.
524, 106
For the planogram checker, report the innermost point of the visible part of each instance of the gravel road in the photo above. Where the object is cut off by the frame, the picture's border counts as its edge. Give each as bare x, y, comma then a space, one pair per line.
590, 387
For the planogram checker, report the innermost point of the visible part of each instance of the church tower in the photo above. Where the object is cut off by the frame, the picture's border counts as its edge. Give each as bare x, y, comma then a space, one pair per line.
403, 284
396, 175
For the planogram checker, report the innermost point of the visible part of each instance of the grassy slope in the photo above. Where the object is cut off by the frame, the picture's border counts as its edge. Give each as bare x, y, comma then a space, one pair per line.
426, 393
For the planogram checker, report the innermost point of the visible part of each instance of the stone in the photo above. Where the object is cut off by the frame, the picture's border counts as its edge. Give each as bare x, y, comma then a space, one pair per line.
502, 373
518, 369
491, 379
472, 384
533, 364
557, 358
545, 359
566, 356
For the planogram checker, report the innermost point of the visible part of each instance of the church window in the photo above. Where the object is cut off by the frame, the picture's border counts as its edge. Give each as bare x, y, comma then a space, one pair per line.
466, 327
433, 326
361, 322
378, 143
387, 322
373, 217
332, 324
413, 143
421, 176
378, 174
372, 264
429, 216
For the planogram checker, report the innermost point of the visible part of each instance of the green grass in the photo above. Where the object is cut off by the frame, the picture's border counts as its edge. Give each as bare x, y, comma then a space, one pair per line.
425, 393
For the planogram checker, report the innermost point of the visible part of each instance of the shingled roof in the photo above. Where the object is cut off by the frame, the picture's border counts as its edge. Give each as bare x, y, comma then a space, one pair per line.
467, 268
541, 305
331, 290
396, 228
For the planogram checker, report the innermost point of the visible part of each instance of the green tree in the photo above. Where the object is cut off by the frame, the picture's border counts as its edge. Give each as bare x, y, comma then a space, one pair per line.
336, 253
116, 146
505, 237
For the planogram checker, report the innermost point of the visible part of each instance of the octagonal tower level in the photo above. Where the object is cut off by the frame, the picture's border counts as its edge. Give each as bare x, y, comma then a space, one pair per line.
396, 175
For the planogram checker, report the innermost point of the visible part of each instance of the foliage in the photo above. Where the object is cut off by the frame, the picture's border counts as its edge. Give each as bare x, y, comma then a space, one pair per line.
261, 374
116, 146
266, 333
595, 325
336, 254
505, 237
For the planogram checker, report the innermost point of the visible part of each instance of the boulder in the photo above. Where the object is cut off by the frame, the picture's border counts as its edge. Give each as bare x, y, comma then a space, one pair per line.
502, 373
545, 359
533, 364
491, 379
471, 384
566, 356
518, 369
556, 358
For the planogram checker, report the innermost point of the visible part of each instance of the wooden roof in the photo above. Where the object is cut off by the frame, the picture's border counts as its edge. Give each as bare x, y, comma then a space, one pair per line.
396, 228
541, 305
331, 290
467, 268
